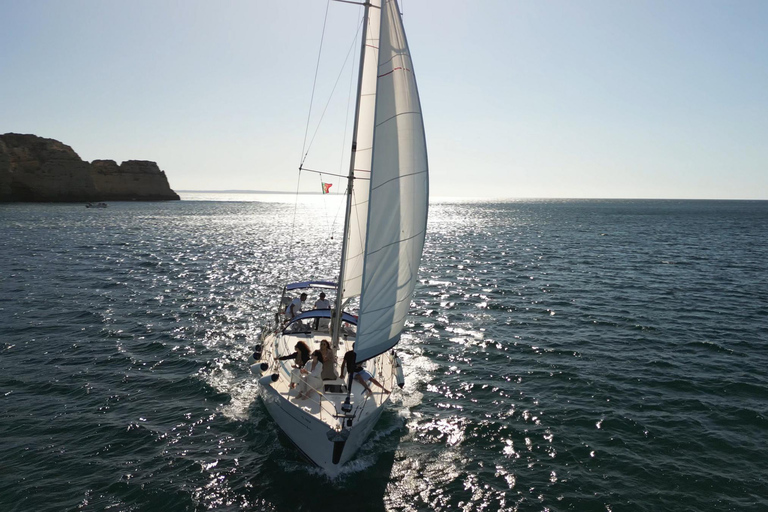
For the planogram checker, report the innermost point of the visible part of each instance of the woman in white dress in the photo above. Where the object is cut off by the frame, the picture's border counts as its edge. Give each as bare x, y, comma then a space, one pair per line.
311, 379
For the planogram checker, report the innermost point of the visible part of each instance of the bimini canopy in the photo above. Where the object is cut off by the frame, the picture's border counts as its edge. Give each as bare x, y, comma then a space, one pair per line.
310, 284
320, 313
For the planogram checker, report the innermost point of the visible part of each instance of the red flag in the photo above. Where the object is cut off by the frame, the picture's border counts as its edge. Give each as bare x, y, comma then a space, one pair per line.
326, 187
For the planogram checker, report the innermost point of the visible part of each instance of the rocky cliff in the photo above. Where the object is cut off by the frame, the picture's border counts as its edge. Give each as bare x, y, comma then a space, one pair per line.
36, 169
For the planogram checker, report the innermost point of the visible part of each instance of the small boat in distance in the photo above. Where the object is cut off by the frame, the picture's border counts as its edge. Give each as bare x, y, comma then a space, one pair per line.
384, 231
95, 205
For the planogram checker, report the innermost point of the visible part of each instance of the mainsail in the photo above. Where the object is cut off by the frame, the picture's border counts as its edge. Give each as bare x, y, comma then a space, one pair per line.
398, 190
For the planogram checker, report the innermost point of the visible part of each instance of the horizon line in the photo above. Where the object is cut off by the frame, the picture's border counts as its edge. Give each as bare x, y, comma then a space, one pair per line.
281, 192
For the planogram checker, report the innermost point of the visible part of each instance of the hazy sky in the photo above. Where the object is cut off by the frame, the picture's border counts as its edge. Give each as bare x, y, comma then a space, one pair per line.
597, 98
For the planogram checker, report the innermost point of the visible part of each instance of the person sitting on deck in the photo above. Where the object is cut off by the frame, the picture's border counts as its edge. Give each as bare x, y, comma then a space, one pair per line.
363, 377
358, 372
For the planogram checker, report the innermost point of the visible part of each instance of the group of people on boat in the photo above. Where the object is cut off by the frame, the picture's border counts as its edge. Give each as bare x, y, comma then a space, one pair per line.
311, 369
295, 308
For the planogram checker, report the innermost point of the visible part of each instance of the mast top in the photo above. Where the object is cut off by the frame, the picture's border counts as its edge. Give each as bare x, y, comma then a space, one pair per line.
364, 4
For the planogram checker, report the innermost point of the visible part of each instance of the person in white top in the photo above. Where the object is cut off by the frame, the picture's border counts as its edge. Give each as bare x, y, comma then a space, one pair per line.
322, 303
294, 308
311, 376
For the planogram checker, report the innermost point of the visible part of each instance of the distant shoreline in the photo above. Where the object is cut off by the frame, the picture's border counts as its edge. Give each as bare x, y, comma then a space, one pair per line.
249, 192
475, 198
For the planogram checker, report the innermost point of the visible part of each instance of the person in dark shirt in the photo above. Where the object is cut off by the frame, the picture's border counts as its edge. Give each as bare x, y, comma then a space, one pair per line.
300, 357
349, 363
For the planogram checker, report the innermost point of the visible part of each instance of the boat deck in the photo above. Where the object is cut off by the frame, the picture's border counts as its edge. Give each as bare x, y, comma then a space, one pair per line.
324, 404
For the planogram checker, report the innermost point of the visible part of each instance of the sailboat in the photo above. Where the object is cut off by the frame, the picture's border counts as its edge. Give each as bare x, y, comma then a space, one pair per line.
384, 230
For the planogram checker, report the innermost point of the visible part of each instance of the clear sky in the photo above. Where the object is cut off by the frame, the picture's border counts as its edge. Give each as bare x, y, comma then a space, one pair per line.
521, 98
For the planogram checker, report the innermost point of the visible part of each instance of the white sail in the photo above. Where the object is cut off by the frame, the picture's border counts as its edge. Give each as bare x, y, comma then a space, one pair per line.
353, 266
398, 194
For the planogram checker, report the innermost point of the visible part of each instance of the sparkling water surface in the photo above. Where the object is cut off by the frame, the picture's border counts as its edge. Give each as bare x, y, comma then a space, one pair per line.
561, 355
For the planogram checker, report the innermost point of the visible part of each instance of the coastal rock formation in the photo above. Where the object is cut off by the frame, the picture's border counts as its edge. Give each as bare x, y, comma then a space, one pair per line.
139, 179
33, 168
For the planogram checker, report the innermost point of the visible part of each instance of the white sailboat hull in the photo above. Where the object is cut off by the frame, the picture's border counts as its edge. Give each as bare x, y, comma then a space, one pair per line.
310, 436
311, 424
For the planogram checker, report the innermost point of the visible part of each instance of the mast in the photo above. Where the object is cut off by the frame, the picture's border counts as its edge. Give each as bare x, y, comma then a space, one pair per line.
336, 327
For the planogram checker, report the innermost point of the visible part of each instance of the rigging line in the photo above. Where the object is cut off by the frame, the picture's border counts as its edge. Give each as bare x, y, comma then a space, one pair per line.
292, 240
325, 204
349, 103
336, 217
314, 83
329, 226
362, 4
350, 93
324, 172
330, 96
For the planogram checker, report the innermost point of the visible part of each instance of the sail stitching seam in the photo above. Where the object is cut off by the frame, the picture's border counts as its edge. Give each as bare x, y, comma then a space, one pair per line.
414, 112
388, 307
396, 242
398, 177
399, 68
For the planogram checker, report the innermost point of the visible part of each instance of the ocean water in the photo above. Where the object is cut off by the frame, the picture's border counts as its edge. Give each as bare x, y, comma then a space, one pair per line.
561, 355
